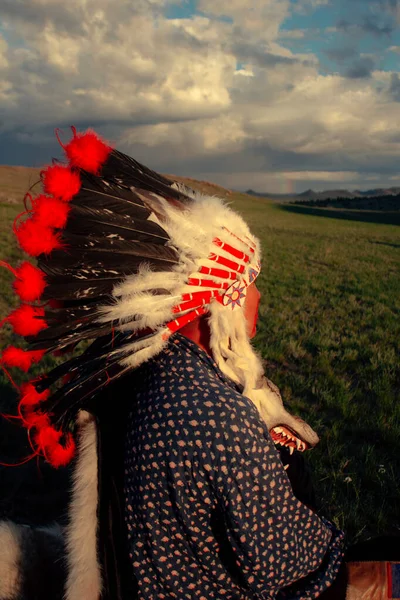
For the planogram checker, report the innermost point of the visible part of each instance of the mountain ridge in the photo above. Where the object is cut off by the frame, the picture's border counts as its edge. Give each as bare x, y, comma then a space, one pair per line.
334, 193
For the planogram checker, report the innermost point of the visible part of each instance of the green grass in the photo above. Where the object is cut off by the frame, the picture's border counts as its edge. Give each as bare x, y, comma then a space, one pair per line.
329, 333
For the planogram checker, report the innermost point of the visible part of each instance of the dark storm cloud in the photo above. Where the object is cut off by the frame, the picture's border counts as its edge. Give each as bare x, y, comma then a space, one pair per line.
371, 26
341, 54
259, 156
19, 148
261, 58
389, 5
361, 68
37, 16
394, 88
368, 25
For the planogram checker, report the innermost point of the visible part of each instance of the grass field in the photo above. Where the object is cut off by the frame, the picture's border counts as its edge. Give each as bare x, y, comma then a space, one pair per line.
329, 332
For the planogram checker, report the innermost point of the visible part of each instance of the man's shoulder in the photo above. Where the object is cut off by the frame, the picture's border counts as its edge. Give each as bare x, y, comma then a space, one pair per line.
188, 387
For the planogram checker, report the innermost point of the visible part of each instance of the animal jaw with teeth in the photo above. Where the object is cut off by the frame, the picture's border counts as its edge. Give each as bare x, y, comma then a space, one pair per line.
285, 429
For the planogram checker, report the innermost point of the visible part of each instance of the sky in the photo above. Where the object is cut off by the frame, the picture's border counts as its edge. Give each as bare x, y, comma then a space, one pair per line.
273, 95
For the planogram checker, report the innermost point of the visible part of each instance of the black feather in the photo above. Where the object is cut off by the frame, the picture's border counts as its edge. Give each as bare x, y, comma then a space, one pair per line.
66, 403
126, 171
87, 362
60, 267
81, 289
101, 193
81, 312
89, 264
141, 251
108, 236
60, 341
91, 375
90, 221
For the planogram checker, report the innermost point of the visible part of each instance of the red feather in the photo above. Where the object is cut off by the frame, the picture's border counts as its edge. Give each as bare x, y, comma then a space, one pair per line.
38, 420
61, 182
30, 397
30, 282
27, 320
59, 455
87, 151
34, 239
17, 357
48, 442
47, 437
50, 212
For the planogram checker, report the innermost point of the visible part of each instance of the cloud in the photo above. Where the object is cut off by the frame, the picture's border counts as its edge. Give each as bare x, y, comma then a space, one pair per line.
262, 17
394, 88
371, 26
263, 58
341, 53
340, 176
93, 77
217, 95
305, 7
293, 34
368, 25
360, 68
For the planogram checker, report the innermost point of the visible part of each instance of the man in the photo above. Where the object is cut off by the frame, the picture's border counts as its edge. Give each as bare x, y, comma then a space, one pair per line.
194, 500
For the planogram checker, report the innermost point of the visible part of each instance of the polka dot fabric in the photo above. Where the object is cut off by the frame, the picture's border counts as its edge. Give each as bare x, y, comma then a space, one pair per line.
209, 509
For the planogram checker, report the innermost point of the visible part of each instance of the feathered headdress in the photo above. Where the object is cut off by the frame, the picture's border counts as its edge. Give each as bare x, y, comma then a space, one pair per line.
126, 258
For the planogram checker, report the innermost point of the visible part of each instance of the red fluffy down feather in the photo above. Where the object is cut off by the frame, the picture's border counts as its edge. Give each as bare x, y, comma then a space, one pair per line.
61, 182
60, 455
17, 357
56, 453
30, 398
87, 151
27, 320
34, 239
50, 212
30, 282
38, 420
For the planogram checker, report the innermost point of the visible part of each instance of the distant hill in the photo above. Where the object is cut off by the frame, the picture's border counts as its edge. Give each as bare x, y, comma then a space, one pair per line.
340, 193
371, 203
331, 194
16, 181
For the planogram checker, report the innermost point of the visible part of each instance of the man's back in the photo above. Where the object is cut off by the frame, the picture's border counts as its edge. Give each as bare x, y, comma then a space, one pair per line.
208, 505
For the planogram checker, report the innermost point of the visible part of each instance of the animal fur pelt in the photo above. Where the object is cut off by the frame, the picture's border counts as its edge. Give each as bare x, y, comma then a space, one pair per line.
32, 565
83, 580
52, 563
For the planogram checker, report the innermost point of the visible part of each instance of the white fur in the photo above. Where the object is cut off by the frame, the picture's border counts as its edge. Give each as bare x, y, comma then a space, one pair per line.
10, 555
140, 282
84, 579
139, 304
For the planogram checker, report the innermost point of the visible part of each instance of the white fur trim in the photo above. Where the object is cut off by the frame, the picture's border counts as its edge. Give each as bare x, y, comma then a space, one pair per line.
10, 556
84, 579
140, 282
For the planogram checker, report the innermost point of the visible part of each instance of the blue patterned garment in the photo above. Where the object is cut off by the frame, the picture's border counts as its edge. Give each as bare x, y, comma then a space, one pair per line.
209, 508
